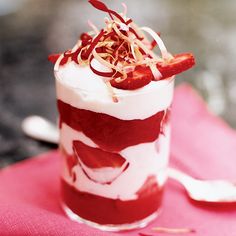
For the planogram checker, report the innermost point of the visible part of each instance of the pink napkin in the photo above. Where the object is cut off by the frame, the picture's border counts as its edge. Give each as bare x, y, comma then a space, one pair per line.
202, 145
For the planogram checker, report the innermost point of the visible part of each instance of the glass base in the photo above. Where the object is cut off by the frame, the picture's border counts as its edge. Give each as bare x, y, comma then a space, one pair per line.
110, 227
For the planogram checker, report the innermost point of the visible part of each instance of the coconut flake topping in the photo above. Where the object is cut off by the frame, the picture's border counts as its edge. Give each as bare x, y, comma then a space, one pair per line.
120, 46
123, 53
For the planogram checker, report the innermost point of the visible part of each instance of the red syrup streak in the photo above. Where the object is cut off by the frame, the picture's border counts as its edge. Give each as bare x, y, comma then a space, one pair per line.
110, 133
104, 210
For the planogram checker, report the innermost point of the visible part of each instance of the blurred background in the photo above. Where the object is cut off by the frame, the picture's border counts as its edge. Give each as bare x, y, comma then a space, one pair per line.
32, 29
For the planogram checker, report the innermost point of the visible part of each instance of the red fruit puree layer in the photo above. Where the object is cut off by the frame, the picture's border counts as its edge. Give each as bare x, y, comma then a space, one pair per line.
113, 211
108, 132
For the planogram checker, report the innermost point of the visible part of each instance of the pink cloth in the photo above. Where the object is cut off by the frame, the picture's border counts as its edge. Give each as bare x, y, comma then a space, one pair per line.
202, 145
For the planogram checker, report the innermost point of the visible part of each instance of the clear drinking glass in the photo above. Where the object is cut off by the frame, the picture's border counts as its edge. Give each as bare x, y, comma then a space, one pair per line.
115, 154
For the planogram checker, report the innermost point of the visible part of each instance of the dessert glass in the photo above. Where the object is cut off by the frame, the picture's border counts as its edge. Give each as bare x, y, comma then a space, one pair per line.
115, 154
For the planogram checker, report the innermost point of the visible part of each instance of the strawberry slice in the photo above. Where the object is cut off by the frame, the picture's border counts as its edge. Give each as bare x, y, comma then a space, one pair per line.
54, 57
138, 78
142, 75
95, 157
178, 64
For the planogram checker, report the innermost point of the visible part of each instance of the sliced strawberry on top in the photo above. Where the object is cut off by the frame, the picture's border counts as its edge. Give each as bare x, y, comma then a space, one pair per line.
138, 78
54, 57
176, 65
95, 157
142, 75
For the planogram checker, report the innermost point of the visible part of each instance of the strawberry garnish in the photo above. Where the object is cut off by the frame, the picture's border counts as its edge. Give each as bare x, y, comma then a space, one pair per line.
95, 157
176, 65
138, 78
102, 7
54, 57
120, 44
142, 75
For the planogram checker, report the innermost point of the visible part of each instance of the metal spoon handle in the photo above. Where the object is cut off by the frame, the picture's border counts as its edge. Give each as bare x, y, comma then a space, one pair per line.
40, 129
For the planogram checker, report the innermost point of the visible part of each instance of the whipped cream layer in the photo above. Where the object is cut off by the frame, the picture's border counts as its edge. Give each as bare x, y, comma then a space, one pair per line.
144, 160
81, 88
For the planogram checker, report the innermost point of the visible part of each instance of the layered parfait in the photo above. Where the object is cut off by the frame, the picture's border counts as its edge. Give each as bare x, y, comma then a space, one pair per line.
114, 95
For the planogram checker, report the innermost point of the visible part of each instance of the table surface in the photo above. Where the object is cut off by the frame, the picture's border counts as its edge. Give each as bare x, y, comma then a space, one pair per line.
31, 29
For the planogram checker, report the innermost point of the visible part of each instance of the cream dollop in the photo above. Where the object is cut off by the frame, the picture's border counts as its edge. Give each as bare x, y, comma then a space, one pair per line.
81, 88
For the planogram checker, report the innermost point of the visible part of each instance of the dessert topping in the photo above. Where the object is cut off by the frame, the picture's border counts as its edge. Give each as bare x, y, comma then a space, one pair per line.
125, 52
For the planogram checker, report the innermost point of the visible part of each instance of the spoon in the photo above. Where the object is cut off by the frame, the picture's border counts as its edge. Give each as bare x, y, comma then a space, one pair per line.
41, 129
212, 191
